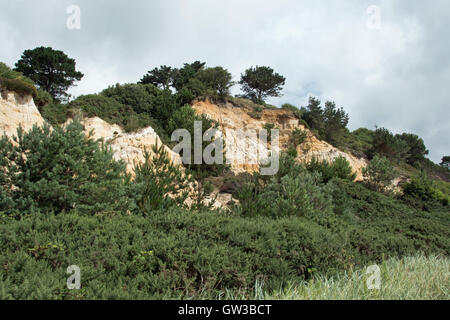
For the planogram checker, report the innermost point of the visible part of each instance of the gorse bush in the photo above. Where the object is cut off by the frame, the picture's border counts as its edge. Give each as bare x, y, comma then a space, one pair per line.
60, 170
339, 168
423, 188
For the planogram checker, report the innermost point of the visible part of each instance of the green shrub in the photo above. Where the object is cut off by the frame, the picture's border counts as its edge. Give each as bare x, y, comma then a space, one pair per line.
423, 188
19, 86
158, 183
60, 170
298, 137
379, 174
42, 99
339, 168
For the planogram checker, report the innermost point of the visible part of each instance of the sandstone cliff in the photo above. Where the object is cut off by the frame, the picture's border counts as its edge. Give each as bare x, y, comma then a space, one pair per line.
17, 110
128, 147
232, 117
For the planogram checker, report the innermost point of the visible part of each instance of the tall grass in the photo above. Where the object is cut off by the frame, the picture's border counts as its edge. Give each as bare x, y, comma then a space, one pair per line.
408, 278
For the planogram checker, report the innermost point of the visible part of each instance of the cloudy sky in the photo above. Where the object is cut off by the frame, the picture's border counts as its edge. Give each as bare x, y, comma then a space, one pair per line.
386, 62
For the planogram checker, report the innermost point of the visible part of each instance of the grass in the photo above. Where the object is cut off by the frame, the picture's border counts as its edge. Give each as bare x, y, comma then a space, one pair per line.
409, 278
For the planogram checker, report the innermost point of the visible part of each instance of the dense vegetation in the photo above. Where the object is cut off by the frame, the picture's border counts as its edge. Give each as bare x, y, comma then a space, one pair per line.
65, 201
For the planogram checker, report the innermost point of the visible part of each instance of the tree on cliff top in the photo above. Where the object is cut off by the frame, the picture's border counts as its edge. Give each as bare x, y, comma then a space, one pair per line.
52, 70
258, 83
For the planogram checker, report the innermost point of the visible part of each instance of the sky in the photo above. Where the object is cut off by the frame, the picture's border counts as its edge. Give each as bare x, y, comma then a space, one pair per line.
387, 63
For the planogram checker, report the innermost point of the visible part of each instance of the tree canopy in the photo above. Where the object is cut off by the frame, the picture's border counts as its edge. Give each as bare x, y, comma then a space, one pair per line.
258, 83
52, 70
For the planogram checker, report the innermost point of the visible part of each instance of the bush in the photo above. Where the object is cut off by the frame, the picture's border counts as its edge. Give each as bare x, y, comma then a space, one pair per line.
423, 188
386, 144
42, 99
19, 86
60, 170
379, 174
297, 138
339, 168
177, 254
158, 183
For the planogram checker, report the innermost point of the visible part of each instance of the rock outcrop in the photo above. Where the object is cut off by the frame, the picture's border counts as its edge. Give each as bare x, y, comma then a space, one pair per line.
129, 147
241, 150
17, 110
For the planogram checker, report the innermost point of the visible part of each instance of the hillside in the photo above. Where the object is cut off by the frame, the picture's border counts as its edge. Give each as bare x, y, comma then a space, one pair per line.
152, 227
238, 116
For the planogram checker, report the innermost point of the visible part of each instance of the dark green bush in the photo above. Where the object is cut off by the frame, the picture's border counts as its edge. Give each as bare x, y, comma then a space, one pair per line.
59, 170
158, 183
42, 99
423, 188
19, 86
339, 168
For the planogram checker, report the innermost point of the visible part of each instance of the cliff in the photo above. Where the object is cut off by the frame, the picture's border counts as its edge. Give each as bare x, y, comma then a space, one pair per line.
17, 110
233, 117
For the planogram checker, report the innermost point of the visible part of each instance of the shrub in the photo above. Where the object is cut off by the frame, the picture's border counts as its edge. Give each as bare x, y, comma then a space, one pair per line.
60, 169
141, 98
19, 86
339, 168
42, 99
289, 193
217, 81
158, 183
298, 137
416, 148
386, 144
379, 174
423, 188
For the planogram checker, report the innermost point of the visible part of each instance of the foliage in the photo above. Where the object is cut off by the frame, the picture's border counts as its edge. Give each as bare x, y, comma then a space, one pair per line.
159, 77
339, 168
52, 70
387, 144
19, 86
42, 99
60, 170
417, 277
423, 188
416, 148
445, 162
379, 173
329, 121
184, 118
159, 184
259, 83
298, 137
182, 76
217, 81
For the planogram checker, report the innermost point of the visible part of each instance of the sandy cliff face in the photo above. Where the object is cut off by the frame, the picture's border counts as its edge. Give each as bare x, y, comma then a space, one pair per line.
128, 147
17, 110
239, 148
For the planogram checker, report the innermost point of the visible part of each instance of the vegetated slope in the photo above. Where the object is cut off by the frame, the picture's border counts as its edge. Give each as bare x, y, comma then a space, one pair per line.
241, 115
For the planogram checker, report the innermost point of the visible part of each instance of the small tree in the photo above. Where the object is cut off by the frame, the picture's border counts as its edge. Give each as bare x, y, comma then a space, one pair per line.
417, 150
258, 83
60, 170
52, 70
445, 162
217, 81
379, 174
159, 77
